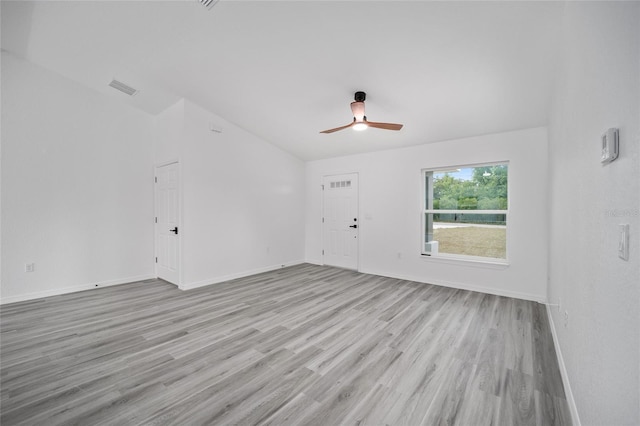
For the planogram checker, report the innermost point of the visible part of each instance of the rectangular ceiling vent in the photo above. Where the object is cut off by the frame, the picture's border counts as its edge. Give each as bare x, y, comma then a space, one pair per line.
208, 3
123, 87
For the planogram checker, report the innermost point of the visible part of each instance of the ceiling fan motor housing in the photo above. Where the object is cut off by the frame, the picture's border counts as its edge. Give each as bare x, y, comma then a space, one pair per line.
360, 96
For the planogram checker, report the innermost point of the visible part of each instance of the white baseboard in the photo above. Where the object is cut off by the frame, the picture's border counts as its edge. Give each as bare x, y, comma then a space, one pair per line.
563, 372
223, 278
65, 290
463, 286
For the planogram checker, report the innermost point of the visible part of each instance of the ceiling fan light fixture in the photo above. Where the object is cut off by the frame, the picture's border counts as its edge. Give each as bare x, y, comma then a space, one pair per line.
360, 126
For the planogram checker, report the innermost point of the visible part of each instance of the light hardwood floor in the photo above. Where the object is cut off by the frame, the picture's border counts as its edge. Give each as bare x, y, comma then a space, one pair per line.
305, 345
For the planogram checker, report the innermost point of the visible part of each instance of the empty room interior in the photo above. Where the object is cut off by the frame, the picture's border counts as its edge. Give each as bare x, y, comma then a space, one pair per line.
320, 212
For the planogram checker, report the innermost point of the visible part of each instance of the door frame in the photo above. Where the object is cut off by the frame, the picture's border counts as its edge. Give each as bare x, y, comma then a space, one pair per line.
180, 227
322, 239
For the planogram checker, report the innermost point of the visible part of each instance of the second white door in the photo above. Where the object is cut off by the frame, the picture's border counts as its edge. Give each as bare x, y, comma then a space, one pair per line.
167, 221
340, 220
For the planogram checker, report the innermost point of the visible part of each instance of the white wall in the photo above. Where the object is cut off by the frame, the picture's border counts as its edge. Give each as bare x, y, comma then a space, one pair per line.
598, 87
390, 212
168, 131
77, 190
242, 198
76, 186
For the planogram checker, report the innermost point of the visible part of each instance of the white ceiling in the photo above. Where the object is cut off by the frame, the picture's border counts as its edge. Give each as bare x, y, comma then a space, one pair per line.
284, 70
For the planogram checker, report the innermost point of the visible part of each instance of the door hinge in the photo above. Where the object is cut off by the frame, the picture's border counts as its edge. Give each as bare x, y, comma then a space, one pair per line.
155, 179
156, 260
156, 220
323, 220
322, 187
323, 252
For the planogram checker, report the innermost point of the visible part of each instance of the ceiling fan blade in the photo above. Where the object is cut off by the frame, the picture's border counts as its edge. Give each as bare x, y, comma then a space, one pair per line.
338, 128
386, 126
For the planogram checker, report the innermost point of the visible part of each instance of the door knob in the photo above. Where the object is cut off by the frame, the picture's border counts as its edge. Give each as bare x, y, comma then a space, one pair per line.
353, 226
174, 230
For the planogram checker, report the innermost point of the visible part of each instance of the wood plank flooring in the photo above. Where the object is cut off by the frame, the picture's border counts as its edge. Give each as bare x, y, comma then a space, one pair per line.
305, 345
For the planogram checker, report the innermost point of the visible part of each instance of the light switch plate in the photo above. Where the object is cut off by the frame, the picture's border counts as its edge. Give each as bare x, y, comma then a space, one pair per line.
623, 245
609, 141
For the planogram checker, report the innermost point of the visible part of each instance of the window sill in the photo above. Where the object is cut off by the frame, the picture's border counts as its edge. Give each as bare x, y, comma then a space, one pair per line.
487, 263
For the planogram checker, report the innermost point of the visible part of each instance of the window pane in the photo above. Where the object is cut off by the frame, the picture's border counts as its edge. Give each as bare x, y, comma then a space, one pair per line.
483, 237
428, 188
470, 188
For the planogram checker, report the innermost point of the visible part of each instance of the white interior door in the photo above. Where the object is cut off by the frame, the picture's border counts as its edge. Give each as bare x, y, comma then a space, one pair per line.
340, 220
167, 196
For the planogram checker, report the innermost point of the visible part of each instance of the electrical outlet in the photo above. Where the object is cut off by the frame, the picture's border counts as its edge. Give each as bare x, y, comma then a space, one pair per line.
29, 267
566, 319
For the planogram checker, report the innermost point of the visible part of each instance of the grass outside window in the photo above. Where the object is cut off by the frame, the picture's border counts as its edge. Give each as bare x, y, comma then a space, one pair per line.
473, 241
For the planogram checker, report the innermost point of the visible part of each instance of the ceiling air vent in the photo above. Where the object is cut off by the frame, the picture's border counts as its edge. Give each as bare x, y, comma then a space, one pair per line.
208, 3
123, 87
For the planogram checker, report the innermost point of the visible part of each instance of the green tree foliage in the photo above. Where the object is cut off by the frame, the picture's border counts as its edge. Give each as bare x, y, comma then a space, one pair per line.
491, 182
486, 190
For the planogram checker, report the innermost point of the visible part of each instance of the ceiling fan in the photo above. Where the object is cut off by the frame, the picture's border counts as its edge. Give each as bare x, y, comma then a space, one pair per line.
360, 121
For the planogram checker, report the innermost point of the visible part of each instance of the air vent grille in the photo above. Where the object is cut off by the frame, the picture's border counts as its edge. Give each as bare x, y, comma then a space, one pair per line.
123, 87
208, 3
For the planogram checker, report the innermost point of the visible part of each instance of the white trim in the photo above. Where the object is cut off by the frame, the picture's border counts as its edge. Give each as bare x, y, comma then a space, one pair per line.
223, 278
465, 166
454, 211
74, 289
473, 261
462, 286
573, 409
165, 163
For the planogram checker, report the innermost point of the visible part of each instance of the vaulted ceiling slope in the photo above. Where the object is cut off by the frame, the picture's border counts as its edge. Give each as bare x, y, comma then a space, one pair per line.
284, 70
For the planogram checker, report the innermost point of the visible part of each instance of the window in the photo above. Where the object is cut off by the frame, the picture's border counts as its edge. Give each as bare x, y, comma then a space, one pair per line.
465, 212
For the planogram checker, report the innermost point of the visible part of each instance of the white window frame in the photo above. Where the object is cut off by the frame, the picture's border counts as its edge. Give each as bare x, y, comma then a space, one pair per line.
424, 211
